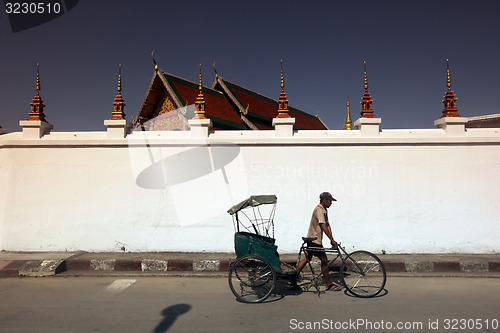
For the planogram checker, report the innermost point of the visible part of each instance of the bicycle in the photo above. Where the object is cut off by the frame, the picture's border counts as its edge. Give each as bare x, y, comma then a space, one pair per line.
361, 272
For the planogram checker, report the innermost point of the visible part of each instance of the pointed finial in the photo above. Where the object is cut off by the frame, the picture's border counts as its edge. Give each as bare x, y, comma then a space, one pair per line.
200, 102
119, 105
215, 70
366, 101
282, 101
37, 103
120, 78
282, 77
366, 77
450, 100
37, 76
200, 86
348, 121
154, 61
448, 79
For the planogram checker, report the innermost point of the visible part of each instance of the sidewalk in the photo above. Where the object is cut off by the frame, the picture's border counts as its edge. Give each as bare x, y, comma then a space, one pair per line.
38, 264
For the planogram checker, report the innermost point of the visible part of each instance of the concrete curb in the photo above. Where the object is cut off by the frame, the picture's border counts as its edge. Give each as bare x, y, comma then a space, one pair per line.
33, 268
74, 264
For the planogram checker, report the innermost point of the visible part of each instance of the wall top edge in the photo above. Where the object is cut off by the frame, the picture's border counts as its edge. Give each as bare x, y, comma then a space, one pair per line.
322, 137
114, 144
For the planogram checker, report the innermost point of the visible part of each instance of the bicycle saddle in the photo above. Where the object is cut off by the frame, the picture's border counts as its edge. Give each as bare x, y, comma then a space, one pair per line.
309, 239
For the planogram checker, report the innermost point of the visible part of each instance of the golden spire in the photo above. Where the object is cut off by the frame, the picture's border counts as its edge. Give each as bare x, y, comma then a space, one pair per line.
448, 79
450, 107
282, 77
119, 105
348, 122
200, 102
120, 78
366, 101
366, 77
37, 103
282, 101
200, 86
37, 76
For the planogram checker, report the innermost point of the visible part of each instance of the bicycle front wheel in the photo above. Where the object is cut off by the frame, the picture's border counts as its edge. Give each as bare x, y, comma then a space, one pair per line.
363, 274
252, 279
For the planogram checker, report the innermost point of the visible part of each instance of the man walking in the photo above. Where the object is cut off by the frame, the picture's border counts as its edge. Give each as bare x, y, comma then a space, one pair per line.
319, 225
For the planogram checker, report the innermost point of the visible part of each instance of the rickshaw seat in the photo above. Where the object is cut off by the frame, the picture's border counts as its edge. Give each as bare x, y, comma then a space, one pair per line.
248, 243
309, 239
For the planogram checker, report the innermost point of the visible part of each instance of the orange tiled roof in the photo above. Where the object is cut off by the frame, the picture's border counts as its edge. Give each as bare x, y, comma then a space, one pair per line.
262, 109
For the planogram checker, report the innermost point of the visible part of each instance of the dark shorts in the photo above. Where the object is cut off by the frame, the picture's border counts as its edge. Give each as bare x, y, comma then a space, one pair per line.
316, 252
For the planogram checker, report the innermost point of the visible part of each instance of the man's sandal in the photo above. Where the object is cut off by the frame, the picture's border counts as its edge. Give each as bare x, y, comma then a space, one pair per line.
334, 287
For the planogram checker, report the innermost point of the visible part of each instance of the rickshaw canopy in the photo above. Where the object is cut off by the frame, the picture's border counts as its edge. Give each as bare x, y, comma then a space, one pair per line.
253, 201
255, 228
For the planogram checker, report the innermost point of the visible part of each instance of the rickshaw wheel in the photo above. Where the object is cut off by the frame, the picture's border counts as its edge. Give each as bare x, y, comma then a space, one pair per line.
251, 279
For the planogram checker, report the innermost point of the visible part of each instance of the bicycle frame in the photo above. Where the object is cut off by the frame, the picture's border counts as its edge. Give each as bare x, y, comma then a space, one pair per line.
337, 250
316, 278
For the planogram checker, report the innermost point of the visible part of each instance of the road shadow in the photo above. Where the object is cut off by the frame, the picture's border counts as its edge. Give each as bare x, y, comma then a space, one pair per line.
171, 314
284, 288
281, 289
382, 293
335, 277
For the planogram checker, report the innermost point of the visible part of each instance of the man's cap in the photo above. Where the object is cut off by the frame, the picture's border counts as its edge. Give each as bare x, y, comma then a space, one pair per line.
327, 196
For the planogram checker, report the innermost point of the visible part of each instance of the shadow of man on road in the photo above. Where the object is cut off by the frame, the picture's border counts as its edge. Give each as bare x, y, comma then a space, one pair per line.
171, 313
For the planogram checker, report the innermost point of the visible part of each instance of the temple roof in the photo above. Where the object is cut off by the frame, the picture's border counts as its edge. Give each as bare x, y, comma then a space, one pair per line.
261, 109
228, 105
218, 108
183, 93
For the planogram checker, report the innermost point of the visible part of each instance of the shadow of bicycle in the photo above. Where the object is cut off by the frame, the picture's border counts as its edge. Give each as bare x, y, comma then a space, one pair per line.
284, 289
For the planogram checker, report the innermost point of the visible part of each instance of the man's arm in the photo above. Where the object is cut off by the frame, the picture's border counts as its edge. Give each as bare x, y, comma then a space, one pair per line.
328, 232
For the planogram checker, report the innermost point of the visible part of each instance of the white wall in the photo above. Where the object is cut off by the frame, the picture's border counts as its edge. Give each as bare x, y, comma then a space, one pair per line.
403, 191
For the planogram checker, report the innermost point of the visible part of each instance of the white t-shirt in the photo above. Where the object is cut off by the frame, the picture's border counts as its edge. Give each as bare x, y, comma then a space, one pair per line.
319, 215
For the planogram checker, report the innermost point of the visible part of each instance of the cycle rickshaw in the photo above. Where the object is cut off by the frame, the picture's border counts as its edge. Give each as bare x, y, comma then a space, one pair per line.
254, 274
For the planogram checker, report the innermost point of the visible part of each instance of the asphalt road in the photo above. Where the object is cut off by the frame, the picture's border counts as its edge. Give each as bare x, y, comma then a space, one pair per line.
173, 304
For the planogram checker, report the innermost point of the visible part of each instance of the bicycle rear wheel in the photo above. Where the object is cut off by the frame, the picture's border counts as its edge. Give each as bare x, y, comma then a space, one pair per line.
363, 274
251, 279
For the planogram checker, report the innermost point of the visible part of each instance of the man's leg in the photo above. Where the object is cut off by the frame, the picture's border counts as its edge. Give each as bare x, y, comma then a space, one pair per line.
326, 273
304, 261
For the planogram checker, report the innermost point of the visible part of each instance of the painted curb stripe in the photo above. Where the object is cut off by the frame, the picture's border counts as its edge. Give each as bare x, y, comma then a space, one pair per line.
4, 263
14, 267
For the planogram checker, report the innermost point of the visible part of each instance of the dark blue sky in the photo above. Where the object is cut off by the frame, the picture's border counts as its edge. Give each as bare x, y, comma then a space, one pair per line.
323, 45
